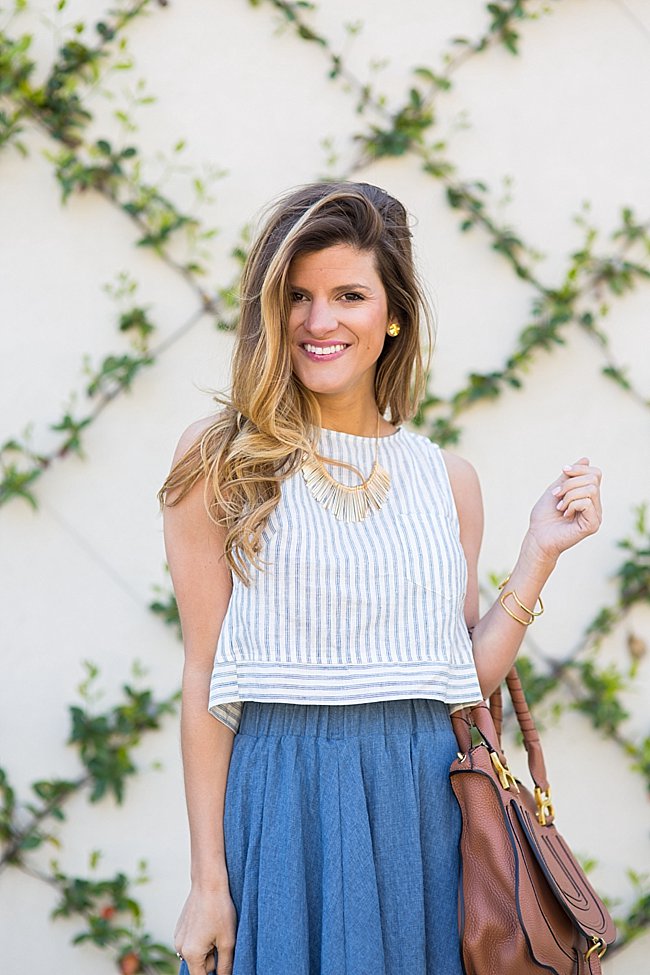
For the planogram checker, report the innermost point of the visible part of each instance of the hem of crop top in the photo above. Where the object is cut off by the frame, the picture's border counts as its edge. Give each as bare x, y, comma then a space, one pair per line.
292, 683
230, 713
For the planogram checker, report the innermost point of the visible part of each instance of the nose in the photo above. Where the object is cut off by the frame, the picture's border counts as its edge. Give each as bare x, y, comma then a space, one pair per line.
321, 320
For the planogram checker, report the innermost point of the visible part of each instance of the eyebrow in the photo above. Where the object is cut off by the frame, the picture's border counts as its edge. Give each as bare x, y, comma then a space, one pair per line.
340, 287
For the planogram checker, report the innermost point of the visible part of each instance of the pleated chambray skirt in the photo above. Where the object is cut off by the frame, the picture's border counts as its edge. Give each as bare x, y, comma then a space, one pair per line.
341, 834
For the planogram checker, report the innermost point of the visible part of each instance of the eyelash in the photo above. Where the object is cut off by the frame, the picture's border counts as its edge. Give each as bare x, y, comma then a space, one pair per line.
296, 296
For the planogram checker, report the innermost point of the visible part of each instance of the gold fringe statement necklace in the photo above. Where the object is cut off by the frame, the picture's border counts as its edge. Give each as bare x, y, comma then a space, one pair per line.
347, 502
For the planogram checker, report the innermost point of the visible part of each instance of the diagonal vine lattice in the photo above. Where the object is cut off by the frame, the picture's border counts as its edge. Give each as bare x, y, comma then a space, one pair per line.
597, 274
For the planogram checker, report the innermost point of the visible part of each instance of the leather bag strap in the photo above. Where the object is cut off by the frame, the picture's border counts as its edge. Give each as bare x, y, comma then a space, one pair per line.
496, 710
532, 741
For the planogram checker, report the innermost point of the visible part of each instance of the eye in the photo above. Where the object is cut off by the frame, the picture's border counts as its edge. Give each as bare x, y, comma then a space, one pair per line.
297, 297
352, 296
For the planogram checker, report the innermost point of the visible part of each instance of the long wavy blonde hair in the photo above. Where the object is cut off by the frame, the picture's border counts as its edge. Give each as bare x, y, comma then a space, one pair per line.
270, 419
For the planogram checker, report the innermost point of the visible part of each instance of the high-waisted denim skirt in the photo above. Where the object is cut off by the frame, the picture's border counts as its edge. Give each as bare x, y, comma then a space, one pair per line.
341, 835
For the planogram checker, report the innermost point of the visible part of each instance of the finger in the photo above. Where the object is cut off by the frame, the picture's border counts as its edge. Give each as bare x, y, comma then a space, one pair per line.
196, 965
572, 471
575, 470
579, 481
578, 503
581, 488
590, 520
224, 961
584, 507
558, 483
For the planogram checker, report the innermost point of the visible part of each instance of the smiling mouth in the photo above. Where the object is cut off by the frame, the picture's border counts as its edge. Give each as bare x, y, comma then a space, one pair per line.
323, 351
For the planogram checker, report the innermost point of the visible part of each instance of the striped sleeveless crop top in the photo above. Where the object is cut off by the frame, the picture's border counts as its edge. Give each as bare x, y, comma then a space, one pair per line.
346, 613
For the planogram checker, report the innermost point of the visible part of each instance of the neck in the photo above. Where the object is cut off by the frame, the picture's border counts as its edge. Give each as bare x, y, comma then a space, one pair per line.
362, 423
352, 414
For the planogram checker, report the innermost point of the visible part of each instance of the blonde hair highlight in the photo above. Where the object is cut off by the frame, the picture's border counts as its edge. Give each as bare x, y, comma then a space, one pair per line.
270, 420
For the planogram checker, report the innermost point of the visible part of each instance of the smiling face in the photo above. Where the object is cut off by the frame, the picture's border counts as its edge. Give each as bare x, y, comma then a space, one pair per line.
337, 325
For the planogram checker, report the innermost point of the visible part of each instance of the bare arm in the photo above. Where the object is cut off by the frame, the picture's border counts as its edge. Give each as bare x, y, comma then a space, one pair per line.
496, 637
202, 584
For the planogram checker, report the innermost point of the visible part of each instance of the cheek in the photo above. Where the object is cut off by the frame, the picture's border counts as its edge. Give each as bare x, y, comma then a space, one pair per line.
377, 339
293, 324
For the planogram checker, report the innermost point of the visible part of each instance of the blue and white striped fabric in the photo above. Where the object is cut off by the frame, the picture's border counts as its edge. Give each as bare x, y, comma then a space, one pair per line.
347, 613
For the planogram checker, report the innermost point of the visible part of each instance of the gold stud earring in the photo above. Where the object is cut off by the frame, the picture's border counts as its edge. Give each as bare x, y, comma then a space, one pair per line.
393, 329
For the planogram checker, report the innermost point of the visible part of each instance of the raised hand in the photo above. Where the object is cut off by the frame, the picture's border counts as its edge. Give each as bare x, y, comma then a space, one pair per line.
569, 509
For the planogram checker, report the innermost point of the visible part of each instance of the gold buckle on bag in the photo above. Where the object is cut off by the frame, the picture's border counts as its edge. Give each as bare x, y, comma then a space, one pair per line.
506, 778
545, 808
598, 946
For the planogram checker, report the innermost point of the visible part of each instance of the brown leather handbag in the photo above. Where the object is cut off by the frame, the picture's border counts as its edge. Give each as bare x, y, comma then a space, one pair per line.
525, 904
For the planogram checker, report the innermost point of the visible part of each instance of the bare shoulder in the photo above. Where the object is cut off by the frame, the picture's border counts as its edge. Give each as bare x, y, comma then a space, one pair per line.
191, 434
174, 490
186, 519
466, 490
462, 476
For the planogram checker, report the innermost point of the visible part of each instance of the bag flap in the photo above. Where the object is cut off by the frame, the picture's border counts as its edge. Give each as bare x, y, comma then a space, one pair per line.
565, 876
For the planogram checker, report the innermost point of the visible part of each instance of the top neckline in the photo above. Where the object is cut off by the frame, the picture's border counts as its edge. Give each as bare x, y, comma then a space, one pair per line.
358, 436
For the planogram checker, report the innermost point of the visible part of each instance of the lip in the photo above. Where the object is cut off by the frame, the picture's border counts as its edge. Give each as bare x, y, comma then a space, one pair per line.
319, 357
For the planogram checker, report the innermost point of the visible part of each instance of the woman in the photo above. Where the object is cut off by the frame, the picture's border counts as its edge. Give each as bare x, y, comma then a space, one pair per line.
330, 556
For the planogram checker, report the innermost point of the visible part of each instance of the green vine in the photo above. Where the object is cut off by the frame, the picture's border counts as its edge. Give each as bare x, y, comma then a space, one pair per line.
578, 299
403, 130
593, 690
104, 743
588, 278
115, 173
165, 607
57, 103
595, 277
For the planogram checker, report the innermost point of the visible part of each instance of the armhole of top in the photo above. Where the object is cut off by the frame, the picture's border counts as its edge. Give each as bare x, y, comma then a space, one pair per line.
451, 501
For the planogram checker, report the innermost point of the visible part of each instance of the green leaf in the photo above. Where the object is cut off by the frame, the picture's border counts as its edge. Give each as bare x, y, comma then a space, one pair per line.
32, 841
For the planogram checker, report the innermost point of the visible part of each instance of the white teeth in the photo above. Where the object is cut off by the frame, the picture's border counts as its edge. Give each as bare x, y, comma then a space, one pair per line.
326, 350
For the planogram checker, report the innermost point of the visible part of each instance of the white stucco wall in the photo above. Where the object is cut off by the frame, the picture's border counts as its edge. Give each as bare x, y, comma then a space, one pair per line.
566, 121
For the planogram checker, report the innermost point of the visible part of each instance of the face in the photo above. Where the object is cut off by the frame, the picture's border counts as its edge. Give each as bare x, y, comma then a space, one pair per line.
338, 320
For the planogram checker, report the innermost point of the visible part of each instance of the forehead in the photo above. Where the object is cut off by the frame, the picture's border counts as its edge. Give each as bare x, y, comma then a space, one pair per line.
334, 261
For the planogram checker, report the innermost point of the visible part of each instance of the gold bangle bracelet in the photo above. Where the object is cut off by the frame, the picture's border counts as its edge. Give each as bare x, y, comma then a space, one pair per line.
531, 612
514, 616
525, 608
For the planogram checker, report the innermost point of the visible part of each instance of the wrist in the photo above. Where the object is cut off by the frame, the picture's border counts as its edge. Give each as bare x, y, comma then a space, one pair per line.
211, 885
534, 560
210, 878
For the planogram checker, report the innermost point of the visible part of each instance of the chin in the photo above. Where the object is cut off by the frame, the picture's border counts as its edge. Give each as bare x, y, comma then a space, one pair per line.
321, 389
316, 384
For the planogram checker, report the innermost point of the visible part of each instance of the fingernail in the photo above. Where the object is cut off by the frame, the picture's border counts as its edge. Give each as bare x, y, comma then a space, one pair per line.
556, 491
568, 468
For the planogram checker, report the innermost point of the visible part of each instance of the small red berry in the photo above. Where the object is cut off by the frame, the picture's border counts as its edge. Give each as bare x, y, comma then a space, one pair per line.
130, 964
108, 913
